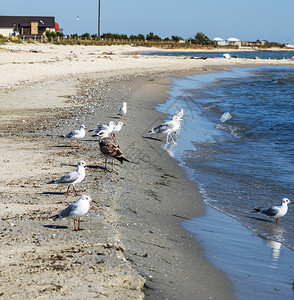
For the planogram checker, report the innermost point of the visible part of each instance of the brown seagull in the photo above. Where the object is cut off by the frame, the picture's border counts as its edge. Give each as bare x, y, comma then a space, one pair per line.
110, 148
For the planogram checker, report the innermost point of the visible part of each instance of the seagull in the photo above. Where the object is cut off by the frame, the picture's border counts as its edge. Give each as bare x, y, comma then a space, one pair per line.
110, 148
167, 128
123, 110
277, 211
117, 128
109, 128
72, 178
180, 115
76, 134
75, 210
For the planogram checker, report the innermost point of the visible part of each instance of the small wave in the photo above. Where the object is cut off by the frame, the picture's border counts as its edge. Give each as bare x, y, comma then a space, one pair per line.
235, 132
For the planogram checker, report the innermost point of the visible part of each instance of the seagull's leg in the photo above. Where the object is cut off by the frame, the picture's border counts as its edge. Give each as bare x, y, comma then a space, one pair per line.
166, 142
75, 190
67, 191
71, 143
276, 220
173, 140
75, 225
112, 165
105, 168
124, 117
79, 224
78, 144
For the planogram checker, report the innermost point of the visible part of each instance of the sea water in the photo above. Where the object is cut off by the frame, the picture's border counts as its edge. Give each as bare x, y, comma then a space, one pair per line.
237, 144
262, 54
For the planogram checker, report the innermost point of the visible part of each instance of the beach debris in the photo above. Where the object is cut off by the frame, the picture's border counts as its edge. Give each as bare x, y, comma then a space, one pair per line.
109, 147
72, 178
76, 134
276, 211
75, 211
225, 117
185, 218
123, 110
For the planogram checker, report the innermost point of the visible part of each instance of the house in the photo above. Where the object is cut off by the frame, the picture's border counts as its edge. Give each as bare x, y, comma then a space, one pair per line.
234, 42
219, 41
228, 42
25, 26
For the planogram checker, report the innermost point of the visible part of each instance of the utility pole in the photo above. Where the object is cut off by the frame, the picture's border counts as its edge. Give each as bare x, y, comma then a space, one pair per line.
99, 17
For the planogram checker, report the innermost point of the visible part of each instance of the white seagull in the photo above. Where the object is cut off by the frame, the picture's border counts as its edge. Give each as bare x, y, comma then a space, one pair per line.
277, 211
76, 134
109, 127
167, 128
123, 110
117, 128
180, 115
75, 210
72, 178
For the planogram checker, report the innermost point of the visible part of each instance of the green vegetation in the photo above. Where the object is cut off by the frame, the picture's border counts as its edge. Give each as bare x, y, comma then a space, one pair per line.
199, 41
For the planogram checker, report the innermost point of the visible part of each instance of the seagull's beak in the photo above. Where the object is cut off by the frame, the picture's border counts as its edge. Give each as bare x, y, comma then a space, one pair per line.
124, 125
181, 119
92, 200
290, 202
87, 166
86, 128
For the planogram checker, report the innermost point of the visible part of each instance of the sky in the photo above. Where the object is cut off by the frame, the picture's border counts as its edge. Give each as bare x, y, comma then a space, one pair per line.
247, 20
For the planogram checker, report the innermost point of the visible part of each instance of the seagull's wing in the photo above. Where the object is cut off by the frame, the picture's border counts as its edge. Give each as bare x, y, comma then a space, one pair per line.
271, 211
110, 147
71, 134
68, 178
69, 211
166, 126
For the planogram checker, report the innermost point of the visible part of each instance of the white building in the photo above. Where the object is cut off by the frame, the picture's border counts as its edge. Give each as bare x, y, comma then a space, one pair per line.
229, 41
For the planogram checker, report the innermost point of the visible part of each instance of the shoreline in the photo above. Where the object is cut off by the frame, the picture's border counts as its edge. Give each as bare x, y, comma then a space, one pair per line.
133, 226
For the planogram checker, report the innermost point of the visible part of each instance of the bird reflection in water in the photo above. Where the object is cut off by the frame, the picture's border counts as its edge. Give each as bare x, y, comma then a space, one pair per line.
278, 234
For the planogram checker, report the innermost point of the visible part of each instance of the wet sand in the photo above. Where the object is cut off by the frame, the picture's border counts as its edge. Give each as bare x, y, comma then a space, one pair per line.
133, 244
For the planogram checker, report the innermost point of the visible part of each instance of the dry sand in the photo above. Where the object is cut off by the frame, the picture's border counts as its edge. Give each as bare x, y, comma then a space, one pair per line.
132, 244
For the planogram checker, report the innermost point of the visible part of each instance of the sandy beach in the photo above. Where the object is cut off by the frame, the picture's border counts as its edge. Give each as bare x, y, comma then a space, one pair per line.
133, 245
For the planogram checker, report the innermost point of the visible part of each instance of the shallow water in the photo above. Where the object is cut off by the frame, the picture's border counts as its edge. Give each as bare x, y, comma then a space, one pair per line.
219, 54
237, 144
258, 268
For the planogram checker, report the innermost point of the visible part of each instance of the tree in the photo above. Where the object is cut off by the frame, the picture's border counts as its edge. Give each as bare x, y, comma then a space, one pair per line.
200, 38
152, 37
176, 38
86, 36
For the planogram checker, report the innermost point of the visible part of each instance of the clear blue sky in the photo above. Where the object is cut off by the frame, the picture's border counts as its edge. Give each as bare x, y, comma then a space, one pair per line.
271, 20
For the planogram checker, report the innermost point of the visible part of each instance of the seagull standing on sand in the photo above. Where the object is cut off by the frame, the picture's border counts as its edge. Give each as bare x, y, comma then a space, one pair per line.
76, 134
167, 128
277, 211
110, 148
117, 128
109, 128
75, 210
123, 110
72, 178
